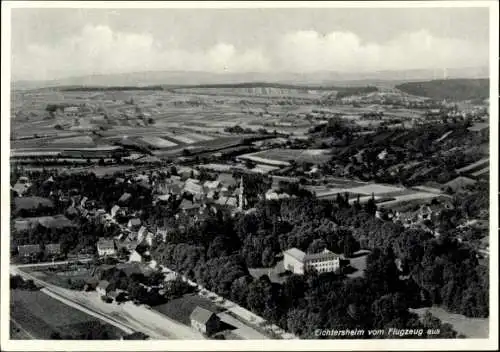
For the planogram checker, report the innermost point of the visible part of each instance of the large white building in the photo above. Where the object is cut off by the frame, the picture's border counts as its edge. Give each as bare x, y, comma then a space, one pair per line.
298, 262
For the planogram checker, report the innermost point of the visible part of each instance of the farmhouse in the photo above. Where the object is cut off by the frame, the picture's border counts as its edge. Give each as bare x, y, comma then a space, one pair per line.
297, 261
204, 321
105, 247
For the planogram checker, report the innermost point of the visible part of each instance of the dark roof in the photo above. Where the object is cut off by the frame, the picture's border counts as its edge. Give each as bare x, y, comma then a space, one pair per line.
201, 315
325, 255
188, 205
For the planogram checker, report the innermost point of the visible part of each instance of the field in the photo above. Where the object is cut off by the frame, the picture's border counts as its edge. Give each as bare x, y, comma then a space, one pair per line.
470, 327
40, 316
160, 118
283, 157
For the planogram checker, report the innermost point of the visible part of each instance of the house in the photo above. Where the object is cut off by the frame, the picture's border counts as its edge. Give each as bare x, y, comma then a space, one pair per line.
103, 288
29, 250
135, 257
134, 224
105, 247
189, 207
194, 188
212, 185
204, 321
298, 262
53, 249
115, 210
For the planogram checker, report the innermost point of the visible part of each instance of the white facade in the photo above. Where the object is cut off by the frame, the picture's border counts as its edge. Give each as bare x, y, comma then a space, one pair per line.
324, 264
106, 247
106, 251
297, 261
135, 257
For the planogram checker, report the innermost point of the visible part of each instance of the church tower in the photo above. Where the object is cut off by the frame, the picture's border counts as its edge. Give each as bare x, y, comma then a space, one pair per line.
241, 198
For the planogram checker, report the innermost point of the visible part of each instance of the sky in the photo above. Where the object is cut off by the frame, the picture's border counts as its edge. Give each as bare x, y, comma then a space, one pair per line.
57, 43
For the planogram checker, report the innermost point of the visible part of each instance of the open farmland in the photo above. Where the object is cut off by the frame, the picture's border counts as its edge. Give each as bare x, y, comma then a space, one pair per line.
41, 316
183, 117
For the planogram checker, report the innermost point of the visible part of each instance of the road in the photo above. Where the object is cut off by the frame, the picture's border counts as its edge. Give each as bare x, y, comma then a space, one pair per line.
127, 317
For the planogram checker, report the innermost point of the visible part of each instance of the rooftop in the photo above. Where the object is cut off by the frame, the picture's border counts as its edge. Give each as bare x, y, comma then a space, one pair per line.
201, 315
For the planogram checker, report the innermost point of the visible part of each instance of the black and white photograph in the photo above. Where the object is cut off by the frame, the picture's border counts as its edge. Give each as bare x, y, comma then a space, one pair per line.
177, 172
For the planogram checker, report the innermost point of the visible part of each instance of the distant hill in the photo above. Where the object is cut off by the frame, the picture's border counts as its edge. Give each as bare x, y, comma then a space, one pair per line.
245, 87
192, 78
449, 89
